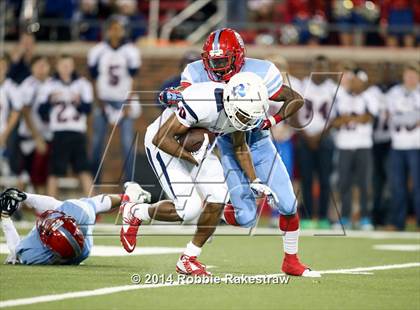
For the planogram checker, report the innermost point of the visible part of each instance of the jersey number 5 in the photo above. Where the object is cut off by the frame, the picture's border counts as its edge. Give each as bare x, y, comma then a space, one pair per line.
114, 79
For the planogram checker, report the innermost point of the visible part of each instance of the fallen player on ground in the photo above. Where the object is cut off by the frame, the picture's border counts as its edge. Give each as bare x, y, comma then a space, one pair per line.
63, 233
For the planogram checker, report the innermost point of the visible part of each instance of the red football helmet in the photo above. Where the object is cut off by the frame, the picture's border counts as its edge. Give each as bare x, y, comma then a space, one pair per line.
59, 232
223, 54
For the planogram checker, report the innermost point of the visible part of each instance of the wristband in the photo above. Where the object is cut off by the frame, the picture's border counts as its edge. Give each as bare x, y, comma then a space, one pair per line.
274, 120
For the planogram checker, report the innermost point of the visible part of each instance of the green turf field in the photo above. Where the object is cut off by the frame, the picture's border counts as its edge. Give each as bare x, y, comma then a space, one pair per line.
363, 288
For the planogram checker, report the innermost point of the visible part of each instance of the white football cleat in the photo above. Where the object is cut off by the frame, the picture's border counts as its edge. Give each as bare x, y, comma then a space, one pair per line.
136, 193
189, 265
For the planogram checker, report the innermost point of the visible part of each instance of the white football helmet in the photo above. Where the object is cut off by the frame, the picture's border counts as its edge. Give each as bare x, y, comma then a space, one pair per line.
245, 100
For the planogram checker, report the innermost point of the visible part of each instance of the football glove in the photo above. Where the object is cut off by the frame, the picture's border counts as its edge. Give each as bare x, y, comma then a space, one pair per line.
169, 97
10, 200
260, 189
200, 155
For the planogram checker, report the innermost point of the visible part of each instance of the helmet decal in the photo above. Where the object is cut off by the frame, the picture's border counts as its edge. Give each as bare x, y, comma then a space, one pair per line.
239, 90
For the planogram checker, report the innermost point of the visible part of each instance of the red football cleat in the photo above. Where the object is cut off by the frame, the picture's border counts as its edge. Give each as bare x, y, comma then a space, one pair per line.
292, 266
189, 265
130, 227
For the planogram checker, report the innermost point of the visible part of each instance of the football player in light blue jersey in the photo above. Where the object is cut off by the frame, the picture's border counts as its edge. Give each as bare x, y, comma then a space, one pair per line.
223, 56
63, 233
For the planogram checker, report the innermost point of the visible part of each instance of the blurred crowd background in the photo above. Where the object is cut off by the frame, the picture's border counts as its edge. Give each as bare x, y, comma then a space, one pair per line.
355, 162
288, 22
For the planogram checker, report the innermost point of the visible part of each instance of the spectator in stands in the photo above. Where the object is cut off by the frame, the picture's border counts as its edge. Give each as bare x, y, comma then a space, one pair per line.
34, 134
354, 113
354, 17
66, 103
404, 115
309, 17
399, 17
282, 133
262, 12
20, 67
107, 8
175, 80
113, 64
134, 21
315, 146
10, 103
11, 15
56, 20
88, 21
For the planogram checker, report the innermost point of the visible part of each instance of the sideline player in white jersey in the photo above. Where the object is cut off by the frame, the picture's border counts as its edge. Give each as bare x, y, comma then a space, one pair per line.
63, 233
224, 56
10, 103
113, 64
315, 146
194, 180
66, 102
403, 101
34, 133
353, 116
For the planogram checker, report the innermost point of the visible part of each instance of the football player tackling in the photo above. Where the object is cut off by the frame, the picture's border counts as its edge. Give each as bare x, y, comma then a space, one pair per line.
223, 57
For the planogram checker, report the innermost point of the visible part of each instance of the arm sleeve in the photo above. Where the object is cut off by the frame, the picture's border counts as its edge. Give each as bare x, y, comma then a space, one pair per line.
45, 104
12, 238
41, 203
388, 99
86, 96
27, 93
373, 103
334, 109
273, 81
134, 60
92, 61
186, 76
15, 97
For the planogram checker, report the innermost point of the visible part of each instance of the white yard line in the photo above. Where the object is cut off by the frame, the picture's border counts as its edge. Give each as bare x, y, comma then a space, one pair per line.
373, 268
125, 288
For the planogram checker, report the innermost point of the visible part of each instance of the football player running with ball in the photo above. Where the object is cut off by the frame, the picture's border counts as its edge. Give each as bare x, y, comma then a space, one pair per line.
194, 180
223, 57
63, 231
